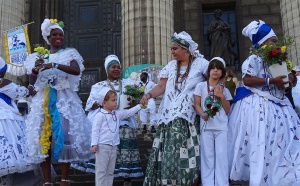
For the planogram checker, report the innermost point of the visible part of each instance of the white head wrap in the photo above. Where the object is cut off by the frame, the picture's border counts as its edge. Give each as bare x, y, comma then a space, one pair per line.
111, 58
101, 95
296, 68
46, 28
258, 32
192, 48
3, 65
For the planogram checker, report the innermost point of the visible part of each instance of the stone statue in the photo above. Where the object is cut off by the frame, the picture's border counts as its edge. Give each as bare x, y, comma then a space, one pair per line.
220, 41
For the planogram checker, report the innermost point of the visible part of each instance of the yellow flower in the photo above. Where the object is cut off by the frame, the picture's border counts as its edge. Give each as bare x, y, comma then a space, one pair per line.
283, 49
264, 46
142, 89
289, 65
53, 21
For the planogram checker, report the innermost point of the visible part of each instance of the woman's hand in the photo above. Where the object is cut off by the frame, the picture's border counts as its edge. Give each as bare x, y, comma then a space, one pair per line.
278, 81
47, 66
38, 65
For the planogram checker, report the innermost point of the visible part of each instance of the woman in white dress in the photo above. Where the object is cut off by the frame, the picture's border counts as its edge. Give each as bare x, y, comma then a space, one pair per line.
296, 90
58, 130
13, 152
264, 131
175, 156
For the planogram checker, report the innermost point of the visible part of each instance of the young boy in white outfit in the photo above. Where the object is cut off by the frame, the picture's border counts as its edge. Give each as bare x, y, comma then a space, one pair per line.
105, 135
151, 106
212, 104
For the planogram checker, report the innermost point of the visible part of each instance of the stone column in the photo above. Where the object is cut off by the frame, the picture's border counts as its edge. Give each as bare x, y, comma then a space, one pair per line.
11, 16
290, 12
147, 27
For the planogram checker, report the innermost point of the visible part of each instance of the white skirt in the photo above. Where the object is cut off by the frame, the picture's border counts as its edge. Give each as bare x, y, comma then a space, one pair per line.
13, 153
264, 145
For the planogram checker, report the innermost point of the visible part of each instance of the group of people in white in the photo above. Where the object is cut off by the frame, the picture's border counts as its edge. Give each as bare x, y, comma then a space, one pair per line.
204, 135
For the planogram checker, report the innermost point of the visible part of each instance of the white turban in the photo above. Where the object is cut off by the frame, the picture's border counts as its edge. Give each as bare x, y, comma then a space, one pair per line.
101, 95
110, 60
3, 65
258, 32
184, 40
46, 28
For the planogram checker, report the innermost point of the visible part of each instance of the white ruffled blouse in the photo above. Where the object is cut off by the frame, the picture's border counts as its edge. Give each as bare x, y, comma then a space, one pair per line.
180, 104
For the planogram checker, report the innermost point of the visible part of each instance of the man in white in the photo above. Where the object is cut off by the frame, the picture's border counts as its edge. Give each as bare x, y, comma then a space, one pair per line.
151, 107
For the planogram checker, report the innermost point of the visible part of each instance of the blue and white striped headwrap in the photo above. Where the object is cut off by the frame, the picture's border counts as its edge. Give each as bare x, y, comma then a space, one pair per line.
258, 32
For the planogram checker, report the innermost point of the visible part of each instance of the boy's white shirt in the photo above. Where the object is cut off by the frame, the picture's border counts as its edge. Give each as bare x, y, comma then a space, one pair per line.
220, 120
105, 130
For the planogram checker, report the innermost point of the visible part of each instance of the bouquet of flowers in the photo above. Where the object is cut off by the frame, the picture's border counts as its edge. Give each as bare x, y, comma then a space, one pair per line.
212, 105
273, 54
135, 92
43, 53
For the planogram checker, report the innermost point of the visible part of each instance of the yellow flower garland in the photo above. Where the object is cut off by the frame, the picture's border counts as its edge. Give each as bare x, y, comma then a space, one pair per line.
47, 132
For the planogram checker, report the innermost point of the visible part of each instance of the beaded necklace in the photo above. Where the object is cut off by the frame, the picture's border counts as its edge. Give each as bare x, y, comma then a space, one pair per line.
114, 117
112, 87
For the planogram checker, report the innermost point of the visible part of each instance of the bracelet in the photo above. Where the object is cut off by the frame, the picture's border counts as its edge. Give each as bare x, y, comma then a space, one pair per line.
150, 96
30, 85
221, 84
268, 81
56, 65
202, 116
52, 65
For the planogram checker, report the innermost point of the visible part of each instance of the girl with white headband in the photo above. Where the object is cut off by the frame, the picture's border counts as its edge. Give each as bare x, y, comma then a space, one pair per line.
264, 132
175, 156
58, 130
213, 135
13, 151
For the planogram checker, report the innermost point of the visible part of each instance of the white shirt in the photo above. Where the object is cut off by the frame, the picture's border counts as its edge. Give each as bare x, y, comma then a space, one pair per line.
220, 120
105, 129
149, 86
175, 104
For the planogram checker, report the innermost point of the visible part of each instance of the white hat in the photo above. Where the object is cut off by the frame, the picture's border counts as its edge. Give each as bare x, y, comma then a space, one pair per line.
46, 28
258, 32
3, 65
184, 40
101, 95
110, 60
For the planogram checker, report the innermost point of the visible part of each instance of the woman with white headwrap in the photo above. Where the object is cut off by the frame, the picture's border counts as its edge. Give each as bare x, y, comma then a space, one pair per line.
128, 158
58, 130
13, 152
175, 158
264, 133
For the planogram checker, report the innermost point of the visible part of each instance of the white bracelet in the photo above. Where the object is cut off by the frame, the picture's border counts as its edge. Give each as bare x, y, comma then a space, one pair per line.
268, 81
56, 65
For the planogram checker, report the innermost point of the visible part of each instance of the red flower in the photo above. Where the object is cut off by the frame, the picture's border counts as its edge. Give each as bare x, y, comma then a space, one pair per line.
128, 99
284, 58
274, 52
134, 85
215, 109
208, 106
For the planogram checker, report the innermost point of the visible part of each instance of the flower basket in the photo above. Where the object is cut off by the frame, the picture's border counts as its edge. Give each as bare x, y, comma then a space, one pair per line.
278, 70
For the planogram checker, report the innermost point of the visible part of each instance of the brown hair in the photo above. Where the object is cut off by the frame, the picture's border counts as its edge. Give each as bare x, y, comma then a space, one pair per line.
216, 64
109, 94
230, 72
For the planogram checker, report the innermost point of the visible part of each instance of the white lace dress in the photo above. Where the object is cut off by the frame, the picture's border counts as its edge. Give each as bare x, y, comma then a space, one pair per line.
263, 134
13, 152
296, 95
73, 123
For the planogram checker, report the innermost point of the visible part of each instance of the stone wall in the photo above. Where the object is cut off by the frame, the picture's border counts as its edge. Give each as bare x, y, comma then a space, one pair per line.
246, 11
290, 11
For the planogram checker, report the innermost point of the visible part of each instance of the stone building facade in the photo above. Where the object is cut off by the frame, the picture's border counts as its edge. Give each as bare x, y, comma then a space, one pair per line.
139, 31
